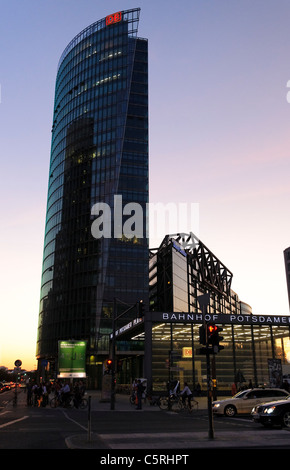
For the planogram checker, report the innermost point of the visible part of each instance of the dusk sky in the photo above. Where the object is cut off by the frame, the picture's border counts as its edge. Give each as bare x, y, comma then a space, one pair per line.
219, 137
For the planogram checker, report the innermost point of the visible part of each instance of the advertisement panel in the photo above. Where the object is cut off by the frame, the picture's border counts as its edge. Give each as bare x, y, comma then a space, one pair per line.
72, 359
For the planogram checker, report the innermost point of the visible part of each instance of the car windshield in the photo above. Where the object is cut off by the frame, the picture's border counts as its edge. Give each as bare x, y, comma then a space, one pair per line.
241, 394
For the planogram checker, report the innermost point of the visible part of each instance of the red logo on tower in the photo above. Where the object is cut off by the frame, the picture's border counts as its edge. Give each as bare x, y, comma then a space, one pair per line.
114, 18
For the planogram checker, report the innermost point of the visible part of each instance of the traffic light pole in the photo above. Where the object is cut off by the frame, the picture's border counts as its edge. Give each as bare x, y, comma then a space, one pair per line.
203, 301
209, 398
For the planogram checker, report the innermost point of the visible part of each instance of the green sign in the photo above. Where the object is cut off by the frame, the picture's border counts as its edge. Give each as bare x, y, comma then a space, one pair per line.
72, 359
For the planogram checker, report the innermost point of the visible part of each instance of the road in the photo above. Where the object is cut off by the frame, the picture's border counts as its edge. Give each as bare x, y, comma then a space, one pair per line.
23, 427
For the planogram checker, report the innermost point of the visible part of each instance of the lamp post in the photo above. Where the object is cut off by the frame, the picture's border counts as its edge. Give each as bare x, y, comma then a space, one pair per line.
18, 364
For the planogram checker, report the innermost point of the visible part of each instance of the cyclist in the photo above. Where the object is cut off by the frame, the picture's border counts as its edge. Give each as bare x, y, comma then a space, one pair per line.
173, 388
186, 393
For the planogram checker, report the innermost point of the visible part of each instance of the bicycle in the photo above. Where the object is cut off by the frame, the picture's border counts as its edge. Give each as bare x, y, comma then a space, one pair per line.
185, 406
70, 403
58, 400
176, 403
170, 403
83, 404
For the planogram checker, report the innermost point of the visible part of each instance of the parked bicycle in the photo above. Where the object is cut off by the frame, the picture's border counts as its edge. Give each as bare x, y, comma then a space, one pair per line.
176, 403
71, 402
83, 404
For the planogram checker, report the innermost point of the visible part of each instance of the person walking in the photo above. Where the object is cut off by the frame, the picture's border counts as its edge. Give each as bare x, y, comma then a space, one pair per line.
140, 390
29, 394
65, 394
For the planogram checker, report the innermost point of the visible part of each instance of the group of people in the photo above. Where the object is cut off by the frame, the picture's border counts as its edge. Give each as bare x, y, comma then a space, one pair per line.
64, 391
38, 394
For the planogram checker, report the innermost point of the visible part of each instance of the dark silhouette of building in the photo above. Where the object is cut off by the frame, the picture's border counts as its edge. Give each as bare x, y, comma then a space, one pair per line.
99, 150
287, 269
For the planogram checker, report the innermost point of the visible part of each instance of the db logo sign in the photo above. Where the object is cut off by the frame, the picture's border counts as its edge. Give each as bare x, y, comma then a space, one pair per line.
114, 18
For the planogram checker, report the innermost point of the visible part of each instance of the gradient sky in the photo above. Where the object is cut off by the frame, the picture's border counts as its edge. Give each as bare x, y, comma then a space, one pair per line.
219, 137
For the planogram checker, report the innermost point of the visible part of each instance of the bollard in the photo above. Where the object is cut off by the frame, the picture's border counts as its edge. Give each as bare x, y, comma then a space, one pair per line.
89, 419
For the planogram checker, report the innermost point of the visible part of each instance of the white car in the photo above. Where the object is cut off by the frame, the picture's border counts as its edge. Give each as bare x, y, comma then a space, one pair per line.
244, 401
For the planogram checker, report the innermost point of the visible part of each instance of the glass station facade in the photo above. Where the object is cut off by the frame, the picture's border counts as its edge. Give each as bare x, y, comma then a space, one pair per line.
182, 269
99, 149
249, 349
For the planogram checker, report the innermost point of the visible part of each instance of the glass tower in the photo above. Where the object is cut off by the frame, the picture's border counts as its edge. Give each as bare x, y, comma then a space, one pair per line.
99, 150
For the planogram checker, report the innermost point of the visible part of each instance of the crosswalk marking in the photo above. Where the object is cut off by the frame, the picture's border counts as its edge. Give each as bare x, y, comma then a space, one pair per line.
12, 422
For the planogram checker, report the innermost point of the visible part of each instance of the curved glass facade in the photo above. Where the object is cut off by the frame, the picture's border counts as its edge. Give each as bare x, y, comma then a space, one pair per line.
99, 149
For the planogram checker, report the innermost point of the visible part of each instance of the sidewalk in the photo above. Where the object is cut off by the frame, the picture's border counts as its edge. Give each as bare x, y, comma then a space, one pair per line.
122, 402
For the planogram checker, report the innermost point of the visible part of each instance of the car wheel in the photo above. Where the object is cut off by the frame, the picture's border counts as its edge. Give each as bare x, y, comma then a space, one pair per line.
230, 411
286, 419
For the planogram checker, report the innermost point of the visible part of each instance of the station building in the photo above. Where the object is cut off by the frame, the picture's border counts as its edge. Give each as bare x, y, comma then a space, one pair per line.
256, 346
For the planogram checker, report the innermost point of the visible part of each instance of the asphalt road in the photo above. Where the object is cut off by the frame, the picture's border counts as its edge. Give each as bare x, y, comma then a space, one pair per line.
124, 428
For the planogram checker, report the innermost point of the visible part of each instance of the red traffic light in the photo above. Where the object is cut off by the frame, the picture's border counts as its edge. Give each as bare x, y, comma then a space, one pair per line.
212, 329
108, 366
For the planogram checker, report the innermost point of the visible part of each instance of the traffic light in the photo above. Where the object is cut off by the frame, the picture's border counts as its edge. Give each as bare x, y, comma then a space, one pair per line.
214, 338
140, 309
109, 365
202, 335
211, 333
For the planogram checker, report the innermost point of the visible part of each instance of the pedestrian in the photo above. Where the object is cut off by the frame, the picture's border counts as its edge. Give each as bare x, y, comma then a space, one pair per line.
57, 389
29, 394
198, 389
44, 395
186, 393
77, 395
35, 394
82, 388
39, 396
234, 389
65, 394
140, 390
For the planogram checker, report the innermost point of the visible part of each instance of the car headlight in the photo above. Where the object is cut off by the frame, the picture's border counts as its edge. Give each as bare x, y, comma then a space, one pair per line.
269, 410
216, 405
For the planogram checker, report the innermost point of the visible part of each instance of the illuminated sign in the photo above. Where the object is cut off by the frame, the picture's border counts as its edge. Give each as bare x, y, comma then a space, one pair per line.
186, 352
114, 18
226, 318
